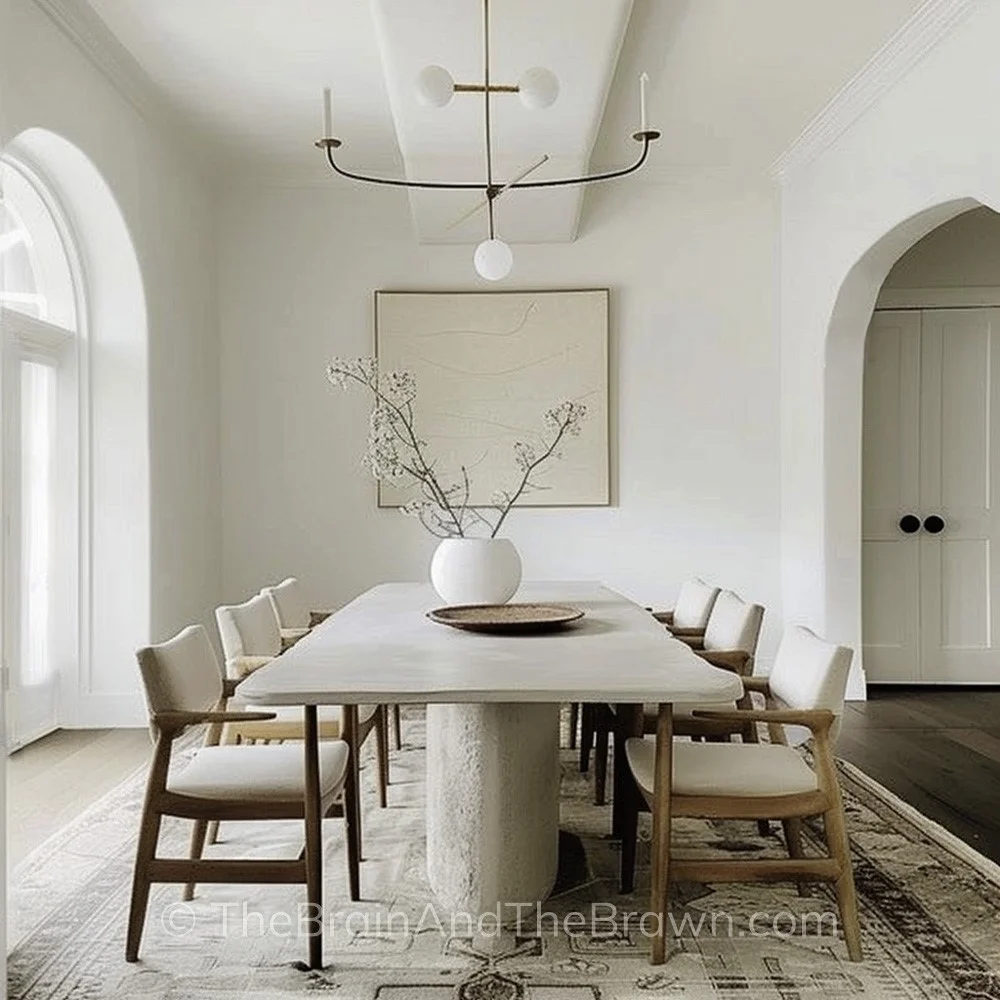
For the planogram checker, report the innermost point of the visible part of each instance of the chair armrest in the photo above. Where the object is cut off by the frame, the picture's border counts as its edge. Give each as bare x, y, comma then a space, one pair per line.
736, 661
318, 617
687, 633
229, 686
663, 617
819, 720
759, 684
178, 720
240, 666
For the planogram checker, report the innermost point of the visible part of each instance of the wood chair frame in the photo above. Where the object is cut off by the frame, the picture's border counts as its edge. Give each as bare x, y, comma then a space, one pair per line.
602, 723
791, 809
160, 802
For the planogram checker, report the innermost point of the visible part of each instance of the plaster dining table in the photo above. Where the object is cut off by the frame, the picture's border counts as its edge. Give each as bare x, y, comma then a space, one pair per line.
492, 719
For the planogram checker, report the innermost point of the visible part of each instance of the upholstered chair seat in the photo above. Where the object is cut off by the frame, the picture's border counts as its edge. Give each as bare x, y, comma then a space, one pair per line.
727, 769
268, 773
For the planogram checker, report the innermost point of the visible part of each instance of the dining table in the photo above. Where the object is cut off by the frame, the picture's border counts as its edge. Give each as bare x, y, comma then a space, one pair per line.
493, 720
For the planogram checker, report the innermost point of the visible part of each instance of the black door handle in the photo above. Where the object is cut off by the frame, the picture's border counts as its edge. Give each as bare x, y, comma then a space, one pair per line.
909, 524
934, 524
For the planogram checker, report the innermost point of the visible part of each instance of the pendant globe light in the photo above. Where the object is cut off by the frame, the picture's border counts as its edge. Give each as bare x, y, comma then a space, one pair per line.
537, 89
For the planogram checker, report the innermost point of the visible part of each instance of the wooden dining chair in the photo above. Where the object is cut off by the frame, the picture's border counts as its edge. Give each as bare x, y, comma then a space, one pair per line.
688, 617
251, 638
184, 687
773, 780
690, 613
729, 641
296, 620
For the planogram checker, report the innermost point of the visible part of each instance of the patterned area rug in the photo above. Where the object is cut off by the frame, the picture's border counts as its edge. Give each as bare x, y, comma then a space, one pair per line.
930, 910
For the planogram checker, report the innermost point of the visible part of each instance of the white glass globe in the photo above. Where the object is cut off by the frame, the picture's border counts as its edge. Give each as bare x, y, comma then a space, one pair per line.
538, 88
493, 260
435, 86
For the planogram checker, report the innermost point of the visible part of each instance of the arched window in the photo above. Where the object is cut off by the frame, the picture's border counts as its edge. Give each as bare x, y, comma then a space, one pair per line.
39, 306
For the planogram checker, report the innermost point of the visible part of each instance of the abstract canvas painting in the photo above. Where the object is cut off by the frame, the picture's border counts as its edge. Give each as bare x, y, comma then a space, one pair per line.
488, 366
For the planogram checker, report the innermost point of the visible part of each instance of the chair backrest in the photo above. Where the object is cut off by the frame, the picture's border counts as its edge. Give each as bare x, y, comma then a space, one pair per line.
733, 624
694, 604
181, 674
289, 603
809, 672
249, 629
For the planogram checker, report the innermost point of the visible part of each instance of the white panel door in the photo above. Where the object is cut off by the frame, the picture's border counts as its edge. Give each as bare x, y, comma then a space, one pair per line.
960, 420
891, 485
931, 572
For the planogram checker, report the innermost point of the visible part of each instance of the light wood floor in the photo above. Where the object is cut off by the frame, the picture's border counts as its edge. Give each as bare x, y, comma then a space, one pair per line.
53, 780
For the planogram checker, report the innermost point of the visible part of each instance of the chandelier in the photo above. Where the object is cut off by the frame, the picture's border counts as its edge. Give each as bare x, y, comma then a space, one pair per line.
537, 89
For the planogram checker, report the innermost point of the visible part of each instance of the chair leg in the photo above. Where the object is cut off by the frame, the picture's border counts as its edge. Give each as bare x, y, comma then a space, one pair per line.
213, 832
839, 846
197, 846
629, 824
793, 841
382, 752
574, 722
586, 736
601, 764
397, 726
149, 834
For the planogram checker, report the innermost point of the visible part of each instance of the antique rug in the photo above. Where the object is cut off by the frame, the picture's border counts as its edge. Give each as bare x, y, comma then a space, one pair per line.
930, 910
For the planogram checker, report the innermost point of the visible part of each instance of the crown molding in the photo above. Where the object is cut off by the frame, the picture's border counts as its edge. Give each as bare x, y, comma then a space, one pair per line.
81, 24
932, 22
85, 29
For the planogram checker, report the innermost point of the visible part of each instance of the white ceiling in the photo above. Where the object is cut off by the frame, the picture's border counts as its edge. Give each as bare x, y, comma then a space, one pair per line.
733, 82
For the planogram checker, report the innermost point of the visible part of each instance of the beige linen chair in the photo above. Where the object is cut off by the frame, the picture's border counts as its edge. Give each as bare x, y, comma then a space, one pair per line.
689, 617
690, 614
296, 620
758, 781
729, 641
185, 687
251, 638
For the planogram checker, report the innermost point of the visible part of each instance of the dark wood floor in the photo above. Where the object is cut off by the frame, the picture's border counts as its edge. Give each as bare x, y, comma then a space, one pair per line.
936, 748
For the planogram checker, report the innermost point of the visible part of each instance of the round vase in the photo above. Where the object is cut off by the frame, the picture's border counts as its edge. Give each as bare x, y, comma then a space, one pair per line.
476, 570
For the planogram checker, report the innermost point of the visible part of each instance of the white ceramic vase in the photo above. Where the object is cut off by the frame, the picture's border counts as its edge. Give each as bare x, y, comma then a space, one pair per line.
476, 570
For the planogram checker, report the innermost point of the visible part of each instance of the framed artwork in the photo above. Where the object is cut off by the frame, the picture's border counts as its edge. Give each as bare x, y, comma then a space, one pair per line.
488, 366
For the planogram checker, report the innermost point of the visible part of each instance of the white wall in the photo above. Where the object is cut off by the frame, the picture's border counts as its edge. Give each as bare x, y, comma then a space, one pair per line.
963, 253
924, 153
155, 576
692, 269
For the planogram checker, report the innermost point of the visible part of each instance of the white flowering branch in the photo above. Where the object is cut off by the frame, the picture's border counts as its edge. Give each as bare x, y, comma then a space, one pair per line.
396, 452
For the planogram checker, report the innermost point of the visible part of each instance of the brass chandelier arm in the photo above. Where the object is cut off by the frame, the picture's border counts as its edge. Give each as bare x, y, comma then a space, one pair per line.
609, 175
645, 138
330, 144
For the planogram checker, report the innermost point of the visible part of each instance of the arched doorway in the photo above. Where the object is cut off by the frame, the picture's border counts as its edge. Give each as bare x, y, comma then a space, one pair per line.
930, 527
842, 375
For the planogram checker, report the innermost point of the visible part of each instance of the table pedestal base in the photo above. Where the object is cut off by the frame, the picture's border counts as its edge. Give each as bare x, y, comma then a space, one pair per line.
492, 805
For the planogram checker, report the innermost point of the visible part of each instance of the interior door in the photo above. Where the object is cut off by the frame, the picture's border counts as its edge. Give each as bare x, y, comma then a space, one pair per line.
890, 549
959, 434
930, 568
